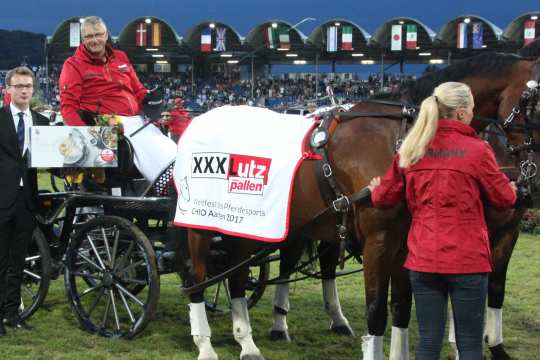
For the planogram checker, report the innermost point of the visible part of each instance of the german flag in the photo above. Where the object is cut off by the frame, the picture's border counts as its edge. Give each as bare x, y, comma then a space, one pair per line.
156, 34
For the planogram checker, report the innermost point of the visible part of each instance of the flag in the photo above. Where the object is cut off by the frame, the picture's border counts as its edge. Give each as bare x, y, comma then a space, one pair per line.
396, 38
156, 34
284, 40
331, 39
346, 38
477, 35
529, 32
74, 34
461, 36
141, 34
412, 35
271, 37
206, 40
220, 39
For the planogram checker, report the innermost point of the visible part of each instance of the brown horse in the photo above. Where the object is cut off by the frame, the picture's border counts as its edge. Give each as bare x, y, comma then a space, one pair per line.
358, 150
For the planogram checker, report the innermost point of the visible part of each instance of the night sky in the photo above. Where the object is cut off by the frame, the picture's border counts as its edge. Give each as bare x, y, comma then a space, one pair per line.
44, 16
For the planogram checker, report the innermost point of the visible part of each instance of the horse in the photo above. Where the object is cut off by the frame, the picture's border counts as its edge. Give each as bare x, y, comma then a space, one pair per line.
359, 149
503, 226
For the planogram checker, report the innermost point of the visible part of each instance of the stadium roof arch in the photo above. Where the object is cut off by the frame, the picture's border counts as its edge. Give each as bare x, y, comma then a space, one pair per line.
448, 36
360, 41
59, 48
148, 38
281, 52
382, 40
514, 32
233, 41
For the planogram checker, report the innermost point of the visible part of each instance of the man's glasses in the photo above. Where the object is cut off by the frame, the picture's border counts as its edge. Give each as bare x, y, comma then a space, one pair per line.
94, 36
19, 87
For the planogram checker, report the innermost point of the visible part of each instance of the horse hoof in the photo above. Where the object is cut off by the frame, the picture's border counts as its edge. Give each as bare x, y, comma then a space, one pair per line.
279, 335
498, 353
252, 357
343, 330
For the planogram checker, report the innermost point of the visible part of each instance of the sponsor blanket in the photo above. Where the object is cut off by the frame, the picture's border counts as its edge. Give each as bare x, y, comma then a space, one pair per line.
235, 171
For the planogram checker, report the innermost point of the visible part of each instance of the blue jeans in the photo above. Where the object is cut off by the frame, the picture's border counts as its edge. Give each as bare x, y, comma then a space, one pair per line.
468, 294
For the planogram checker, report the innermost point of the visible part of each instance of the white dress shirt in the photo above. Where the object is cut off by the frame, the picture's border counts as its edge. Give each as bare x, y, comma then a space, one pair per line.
27, 123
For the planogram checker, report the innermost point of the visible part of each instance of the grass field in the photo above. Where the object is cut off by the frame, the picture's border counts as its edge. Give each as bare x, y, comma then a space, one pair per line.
56, 334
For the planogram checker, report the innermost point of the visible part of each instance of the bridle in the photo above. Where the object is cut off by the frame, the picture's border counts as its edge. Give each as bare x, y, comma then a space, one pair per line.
340, 204
525, 108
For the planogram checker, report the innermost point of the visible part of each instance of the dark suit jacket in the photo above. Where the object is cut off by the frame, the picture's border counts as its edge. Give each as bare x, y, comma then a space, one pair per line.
13, 166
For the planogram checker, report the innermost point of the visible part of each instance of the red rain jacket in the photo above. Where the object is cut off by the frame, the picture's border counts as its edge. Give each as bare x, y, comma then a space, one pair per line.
103, 87
445, 192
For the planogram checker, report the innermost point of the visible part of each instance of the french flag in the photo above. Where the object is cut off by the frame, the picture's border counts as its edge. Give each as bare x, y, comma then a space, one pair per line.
206, 40
461, 35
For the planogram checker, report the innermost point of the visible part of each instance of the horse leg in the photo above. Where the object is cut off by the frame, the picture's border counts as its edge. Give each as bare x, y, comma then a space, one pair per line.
502, 252
376, 281
239, 309
401, 303
328, 260
199, 245
289, 256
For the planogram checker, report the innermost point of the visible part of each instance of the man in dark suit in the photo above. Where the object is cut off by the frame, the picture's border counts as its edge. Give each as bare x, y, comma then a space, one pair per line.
18, 192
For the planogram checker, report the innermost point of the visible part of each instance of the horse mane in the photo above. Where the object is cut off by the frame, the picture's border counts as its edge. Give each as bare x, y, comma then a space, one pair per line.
487, 64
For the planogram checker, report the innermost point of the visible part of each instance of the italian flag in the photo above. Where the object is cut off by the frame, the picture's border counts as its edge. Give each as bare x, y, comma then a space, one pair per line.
528, 32
411, 37
346, 38
284, 40
271, 37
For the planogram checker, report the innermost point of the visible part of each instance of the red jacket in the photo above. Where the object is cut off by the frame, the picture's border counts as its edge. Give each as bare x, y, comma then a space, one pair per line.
103, 87
445, 191
179, 120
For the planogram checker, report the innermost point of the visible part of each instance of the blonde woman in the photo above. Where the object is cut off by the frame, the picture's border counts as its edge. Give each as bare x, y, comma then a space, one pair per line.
445, 173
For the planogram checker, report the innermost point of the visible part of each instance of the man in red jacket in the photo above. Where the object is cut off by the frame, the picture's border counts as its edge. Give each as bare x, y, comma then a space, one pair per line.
98, 79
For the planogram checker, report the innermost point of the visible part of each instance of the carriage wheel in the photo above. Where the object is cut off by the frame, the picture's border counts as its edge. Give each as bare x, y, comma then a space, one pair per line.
218, 297
36, 275
107, 258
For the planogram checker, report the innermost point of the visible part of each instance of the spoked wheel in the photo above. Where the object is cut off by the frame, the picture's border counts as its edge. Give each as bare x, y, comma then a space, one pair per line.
108, 258
36, 275
218, 297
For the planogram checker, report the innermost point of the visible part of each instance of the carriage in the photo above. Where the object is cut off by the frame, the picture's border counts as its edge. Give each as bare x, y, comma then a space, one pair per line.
109, 246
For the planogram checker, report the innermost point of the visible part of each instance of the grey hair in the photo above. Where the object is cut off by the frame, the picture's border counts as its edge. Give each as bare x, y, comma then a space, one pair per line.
93, 21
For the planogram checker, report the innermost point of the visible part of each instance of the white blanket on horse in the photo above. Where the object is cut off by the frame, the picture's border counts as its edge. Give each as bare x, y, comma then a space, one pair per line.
235, 171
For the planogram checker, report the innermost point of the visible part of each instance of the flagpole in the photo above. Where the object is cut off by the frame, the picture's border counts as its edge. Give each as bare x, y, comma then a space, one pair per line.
252, 75
316, 77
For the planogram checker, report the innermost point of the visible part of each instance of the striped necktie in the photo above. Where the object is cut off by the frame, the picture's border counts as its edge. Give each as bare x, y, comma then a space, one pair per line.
20, 131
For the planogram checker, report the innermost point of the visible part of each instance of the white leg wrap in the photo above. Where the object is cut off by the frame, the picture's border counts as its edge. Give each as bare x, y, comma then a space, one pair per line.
331, 303
281, 300
372, 347
200, 330
452, 333
198, 320
399, 344
242, 327
493, 329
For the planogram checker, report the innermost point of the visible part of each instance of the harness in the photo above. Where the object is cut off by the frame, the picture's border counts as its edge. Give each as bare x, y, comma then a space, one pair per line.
339, 204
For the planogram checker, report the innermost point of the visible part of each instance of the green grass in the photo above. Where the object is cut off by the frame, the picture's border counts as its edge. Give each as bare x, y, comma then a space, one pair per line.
56, 334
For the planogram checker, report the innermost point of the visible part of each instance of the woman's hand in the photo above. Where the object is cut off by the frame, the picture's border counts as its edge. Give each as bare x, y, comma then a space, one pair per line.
513, 186
376, 181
